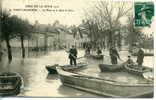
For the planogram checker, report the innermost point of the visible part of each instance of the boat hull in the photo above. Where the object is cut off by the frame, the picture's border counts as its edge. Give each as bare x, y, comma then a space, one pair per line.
98, 57
52, 69
10, 84
135, 69
107, 67
106, 88
145, 54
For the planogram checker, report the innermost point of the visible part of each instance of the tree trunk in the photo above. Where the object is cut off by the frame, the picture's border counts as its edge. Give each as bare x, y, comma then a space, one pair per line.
110, 39
9, 49
22, 46
119, 40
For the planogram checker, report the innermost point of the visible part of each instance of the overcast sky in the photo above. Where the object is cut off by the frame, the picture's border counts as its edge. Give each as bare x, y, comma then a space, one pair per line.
66, 18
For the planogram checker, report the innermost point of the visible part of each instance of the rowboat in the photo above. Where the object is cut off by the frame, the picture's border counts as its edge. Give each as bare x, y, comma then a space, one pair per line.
10, 84
111, 67
145, 54
73, 67
52, 69
105, 87
98, 57
135, 69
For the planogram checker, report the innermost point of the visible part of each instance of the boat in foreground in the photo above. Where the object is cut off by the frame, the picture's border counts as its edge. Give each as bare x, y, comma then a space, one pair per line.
105, 87
10, 84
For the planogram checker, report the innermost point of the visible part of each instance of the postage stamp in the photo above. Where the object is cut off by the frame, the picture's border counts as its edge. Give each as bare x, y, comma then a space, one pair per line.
144, 11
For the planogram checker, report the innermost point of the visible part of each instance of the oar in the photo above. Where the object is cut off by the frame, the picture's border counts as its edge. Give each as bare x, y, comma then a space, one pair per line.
73, 55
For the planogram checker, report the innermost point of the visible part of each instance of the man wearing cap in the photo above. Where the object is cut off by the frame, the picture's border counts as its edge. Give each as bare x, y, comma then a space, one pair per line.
140, 57
73, 55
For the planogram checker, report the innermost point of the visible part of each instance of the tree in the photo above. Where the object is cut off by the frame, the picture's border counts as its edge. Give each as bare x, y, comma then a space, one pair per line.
106, 16
134, 33
23, 30
7, 24
13, 27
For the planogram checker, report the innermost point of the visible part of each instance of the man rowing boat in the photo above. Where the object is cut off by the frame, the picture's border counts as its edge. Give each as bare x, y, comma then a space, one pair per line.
73, 55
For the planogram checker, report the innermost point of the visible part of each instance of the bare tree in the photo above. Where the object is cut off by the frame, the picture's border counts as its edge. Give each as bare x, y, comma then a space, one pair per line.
107, 15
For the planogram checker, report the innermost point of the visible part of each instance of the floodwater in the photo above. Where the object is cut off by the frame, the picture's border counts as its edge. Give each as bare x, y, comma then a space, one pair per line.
37, 82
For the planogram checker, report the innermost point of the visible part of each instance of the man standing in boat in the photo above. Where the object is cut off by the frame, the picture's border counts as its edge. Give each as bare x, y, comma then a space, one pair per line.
114, 55
73, 55
140, 57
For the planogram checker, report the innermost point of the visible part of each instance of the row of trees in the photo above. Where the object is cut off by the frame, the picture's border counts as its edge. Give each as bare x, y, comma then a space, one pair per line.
14, 27
104, 23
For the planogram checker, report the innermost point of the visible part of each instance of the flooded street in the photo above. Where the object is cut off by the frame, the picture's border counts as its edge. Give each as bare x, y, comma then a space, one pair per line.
37, 82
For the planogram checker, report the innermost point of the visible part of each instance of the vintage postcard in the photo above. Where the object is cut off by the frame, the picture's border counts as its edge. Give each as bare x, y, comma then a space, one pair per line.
77, 48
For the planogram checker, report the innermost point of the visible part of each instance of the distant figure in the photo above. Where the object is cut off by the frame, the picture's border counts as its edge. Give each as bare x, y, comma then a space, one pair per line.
140, 57
114, 55
88, 50
73, 55
99, 52
130, 61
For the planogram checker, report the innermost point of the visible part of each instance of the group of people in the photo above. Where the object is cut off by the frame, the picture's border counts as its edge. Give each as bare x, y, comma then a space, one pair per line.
140, 58
114, 55
88, 50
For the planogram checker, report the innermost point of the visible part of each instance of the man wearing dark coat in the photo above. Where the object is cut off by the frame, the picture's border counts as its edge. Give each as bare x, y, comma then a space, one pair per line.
73, 55
140, 57
114, 55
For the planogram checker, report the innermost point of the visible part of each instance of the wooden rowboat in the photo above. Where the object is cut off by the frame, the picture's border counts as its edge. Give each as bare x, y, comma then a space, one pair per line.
98, 57
135, 69
10, 84
72, 67
145, 54
110, 67
105, 87
52, 69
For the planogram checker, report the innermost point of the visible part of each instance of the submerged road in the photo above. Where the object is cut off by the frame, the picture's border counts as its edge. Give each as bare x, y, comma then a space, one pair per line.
37, 82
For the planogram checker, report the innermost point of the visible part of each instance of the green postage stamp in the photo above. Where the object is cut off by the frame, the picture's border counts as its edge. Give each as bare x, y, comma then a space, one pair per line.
144, 11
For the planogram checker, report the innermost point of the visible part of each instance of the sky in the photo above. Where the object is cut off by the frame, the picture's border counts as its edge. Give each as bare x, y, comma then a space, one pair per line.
48, 17
67, 18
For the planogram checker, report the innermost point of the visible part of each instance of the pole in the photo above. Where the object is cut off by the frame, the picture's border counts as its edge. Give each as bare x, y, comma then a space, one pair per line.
72, 54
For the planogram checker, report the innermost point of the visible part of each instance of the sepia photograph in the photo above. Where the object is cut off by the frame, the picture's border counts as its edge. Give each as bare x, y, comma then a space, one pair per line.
77, 48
